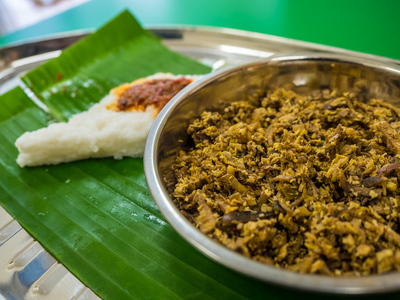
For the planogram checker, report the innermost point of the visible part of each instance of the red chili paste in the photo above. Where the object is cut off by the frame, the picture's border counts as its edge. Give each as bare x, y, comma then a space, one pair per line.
152, 92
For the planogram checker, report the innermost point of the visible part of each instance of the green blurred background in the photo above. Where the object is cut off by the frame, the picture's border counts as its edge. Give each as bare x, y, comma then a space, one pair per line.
362, 25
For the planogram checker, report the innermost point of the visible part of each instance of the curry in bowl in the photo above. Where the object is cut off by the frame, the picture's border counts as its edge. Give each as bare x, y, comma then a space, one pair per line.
287, 170
306, 183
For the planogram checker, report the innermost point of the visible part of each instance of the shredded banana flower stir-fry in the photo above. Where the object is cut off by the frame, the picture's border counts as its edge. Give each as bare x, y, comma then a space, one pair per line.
306, 183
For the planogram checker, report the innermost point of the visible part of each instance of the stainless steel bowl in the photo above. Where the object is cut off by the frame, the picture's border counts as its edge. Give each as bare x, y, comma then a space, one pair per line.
301, 73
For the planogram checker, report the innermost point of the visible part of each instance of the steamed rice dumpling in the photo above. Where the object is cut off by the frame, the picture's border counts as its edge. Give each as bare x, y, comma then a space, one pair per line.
117, 126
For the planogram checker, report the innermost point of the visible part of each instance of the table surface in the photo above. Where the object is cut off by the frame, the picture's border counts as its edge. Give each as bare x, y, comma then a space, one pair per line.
361, 25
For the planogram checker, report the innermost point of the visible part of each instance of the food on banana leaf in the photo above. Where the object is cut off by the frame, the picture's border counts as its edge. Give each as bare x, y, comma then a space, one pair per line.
307, 183
117, 126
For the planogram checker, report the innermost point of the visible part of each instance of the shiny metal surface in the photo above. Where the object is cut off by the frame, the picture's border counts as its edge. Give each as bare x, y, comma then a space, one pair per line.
27, 271
301, 73
212, 46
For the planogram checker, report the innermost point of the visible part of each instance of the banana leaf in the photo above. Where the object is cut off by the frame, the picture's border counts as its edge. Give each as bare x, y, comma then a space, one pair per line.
96, 216
119, 52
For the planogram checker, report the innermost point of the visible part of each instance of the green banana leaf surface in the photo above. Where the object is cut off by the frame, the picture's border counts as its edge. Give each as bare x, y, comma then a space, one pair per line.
97, 216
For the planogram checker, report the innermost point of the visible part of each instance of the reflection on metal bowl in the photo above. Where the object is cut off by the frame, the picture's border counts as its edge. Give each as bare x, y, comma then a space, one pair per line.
301, 73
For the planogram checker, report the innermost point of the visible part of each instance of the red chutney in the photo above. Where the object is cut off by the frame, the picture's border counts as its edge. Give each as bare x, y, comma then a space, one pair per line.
155, 92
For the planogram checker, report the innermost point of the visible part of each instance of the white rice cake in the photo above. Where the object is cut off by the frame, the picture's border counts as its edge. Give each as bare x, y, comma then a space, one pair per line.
98, 132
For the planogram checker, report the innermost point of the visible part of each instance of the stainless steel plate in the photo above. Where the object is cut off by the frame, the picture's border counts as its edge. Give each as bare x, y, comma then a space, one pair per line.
27, 271
212, 46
